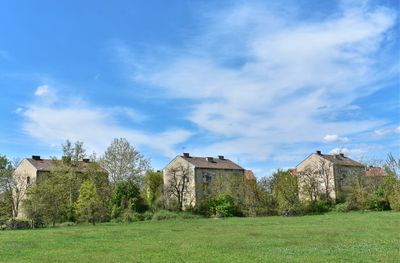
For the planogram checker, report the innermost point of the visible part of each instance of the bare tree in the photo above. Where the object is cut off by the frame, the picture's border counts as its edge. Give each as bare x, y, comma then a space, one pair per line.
178, 180
326, 177
13, 186
310, 182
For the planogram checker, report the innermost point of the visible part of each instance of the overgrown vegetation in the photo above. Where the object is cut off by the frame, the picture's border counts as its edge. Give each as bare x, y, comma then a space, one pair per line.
134, 192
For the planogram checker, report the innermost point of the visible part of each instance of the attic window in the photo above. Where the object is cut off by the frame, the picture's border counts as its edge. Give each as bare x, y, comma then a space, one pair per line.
28, 180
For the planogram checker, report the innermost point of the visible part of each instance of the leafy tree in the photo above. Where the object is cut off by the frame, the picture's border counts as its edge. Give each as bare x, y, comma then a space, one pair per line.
48, 199
74, 152
285, 191
123, 162
88, 204
392, 182
153, 187
127, 197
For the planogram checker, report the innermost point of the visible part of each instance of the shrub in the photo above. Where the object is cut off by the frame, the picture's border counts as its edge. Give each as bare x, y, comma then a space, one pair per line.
164, 215
148, 215
131, 217
342, 207
17, 224
317, 207
173, 205
65, 224
218, 206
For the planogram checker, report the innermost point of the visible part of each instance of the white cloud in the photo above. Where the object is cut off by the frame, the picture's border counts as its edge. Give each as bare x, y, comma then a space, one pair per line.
338, 150
397, 130
42, 90
335, 138
96, 127
265, 89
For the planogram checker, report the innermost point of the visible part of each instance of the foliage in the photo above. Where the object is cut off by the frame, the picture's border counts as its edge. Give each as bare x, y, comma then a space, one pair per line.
285, 192
13, 224
47, 201
164, 215
153, 188
127, 196
88, 204
222, 205
124, 162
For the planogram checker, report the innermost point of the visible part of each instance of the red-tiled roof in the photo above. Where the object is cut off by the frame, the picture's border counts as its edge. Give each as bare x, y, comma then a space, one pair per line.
216, 163
46, 165
341, 160
375, 171
249, 175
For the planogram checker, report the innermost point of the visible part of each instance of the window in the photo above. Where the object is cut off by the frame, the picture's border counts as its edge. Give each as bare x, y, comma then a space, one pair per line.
207, 178
28, 180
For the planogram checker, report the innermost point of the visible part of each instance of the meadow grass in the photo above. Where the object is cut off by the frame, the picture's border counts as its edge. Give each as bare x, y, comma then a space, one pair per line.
333, 237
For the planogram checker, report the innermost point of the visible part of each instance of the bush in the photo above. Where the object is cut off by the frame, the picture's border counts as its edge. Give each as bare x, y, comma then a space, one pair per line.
317, 207
164, 215
65, 224
173, 205
148, 215
131, 217
343, 207
17, 224
218, 206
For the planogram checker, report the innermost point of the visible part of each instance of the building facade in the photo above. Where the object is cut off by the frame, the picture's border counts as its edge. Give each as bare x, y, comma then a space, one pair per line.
331, 174
190, 176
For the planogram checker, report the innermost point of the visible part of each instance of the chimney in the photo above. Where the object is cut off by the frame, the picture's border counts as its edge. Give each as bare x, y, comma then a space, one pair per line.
36, 157
210, 159
318, 152
221, 157
86, 160
341, 155
187, 155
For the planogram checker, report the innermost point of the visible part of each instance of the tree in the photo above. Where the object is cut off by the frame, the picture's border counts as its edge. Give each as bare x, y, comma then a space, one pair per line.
123, 161
13, 188
74, 153
153, 187
178, 186
285, 191
127, 197
392, 182
88, 204
310, 183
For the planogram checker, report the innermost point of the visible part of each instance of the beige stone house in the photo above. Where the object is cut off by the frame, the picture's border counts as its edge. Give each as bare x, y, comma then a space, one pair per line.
185, 177
30, 170
330, 174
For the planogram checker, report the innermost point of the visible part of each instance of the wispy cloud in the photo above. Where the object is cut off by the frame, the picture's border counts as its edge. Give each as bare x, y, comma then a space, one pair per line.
73, 118
259, 80
335, 138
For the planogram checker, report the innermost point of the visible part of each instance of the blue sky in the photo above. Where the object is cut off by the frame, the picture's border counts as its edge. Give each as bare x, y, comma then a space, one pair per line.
262, 83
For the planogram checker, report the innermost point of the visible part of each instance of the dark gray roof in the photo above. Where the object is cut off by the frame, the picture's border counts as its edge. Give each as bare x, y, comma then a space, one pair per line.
46, 165
341, 160
216, 163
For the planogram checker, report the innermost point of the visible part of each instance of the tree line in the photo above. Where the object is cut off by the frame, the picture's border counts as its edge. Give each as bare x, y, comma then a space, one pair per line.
121, 186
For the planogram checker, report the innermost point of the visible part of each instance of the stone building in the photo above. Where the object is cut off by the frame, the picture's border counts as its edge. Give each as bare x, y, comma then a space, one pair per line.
190, 175
333, 173
31, 170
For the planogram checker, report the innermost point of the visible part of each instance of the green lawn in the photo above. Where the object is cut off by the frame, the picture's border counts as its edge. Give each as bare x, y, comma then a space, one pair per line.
349, 237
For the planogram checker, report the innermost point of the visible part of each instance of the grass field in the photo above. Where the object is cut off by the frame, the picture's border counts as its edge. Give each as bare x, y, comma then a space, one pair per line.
351, 237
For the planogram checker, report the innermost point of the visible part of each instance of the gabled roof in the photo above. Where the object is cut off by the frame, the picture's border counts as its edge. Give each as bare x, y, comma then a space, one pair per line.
375, 171
340, 159
46, 165
216, 163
